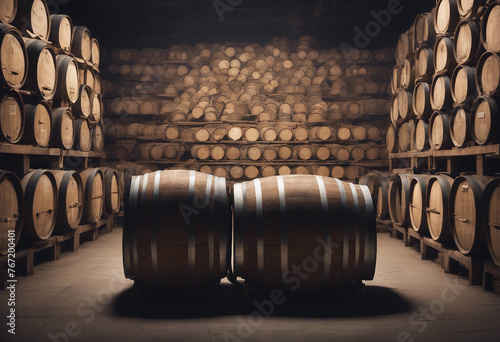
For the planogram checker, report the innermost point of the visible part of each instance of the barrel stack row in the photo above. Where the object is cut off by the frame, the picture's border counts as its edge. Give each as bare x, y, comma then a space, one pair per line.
462, 212
264, 240
226, 95
50, 88
446, 83
47, 202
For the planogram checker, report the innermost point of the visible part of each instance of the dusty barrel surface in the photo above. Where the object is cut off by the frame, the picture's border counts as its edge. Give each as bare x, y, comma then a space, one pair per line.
11, 210
176, 229
282, 221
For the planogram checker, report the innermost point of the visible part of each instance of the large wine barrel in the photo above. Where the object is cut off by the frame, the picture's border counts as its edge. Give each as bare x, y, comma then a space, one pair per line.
418, 191
12, 116
444, 58
463, 85
111, 191
460, 126
408, 74
491, 215
465, 214
439, 131
13, 57
490, 26
81, 46
33, 18
83, 106
422, 100
399, 196
391, 139
70, 200
96, 111
422, 135
38, 126
11, 210
96, 53
404, 47
484, 120
83, 135
424, 61
40, 204
488, 74
423, 30
67, 82
467, 42
270, 216
93, 199
441, 98
405, 104
8, 11
98, 137
383, 197
61, 31
63, 132
176, 229
437, 207
470, 9
404, 137
42, 72
447, 17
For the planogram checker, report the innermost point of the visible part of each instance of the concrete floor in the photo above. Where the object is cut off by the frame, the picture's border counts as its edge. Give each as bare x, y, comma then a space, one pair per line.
84, 297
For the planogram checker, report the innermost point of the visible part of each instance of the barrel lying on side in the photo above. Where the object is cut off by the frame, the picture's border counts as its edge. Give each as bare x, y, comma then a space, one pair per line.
490, 211
14, 58
11, 210
12, 116
93, 188
437, 207
176, 229
284, 221
399, 195
70, 200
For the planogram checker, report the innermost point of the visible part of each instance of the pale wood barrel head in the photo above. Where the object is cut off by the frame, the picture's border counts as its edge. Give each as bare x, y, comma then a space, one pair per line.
13, 57
459, 129
482, 122
435, 216
85, 135
492, 23
220, 172
97, 192
74, 200
11, 117
490, 74
46, 77
464, 215
10, 209
251, 172
8, 10
463, 43
40, 20
44, 207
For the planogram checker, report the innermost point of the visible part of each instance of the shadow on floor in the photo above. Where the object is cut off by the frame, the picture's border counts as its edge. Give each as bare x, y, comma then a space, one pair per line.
229, 299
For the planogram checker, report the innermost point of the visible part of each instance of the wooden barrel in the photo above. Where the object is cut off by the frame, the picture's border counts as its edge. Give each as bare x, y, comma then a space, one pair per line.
155, 250
251, 172
42, 72
423, 30
405, 104
491, 214
383, 196
68, 85
70, 200
441, 98
40, 204
439, 131
12, 116
421, 101
460, 126
399, 196
490, 26
11, 210
446, 17
424, 62
13, 58
336, 212
98, 137
33, 18
63, 132
97, 109
396, 79
463, 85
8, 11
81, 46
408, 74
38, 126
418, 191
83, 106
83, 135
470, 8
404, 47
437, 207
487, 74
485, 120
93, 199
96, 53
467, 42
404, 137
61, 31
465, 214
112, 193
391, 139
422, 135
444, 58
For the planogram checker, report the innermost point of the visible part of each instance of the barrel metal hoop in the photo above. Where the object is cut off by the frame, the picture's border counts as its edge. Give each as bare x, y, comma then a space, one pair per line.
239, 226
345, 228
327, 262
191, 230
283, 224
260, 227
370, 236
154, 224
358, 218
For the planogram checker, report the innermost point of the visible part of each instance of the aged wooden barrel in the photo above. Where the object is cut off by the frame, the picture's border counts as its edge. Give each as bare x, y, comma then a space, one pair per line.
33, 18
83, 135
408, 74
470, 8
396, 79
422, 135
67, 81
98, 137
424, 62
437, 207
176, 231
8, 11
460, 126
97, 108
13, 57
81, 46
439, 131
399, 197
463, 85
467, 42
465, 214
270, 216
42, 72
404, 47
491, 215
61, 31
12, 116
96, 53
93, 199
383, 197
38, 125
63, 131
416, 205
83, 105
394, 111
40, 204
112, 193
488, 74
70, 200
391, 139
11, 210
423, 30
490, 26
422, 100
405, 104
485, 119
447, 17
441, 98
404, 137
444, 58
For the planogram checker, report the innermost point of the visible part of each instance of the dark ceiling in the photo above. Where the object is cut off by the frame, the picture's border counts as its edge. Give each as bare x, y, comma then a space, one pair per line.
161, 23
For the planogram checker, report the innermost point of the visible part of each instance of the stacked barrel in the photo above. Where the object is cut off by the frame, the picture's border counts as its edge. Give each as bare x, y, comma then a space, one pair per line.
244, 111
50, 85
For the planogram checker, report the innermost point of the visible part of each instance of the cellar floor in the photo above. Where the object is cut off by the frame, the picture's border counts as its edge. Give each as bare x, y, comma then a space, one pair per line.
84, 297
